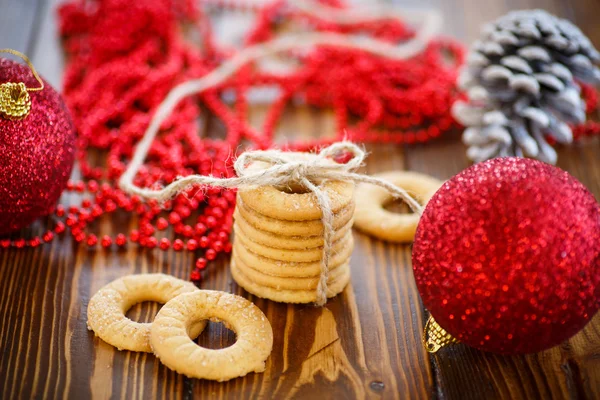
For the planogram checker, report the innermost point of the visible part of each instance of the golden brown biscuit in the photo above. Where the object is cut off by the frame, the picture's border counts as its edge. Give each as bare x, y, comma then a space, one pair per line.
288, 269
173, 346
287, 296
278, 204
314, 254
276, 282
293, 228
285, 242
372, 218
107, 308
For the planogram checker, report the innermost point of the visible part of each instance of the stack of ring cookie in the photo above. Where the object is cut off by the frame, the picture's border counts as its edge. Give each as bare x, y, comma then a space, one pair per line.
278, 244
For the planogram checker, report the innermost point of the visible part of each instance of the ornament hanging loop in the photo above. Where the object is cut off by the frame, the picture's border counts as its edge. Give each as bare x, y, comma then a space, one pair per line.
30, 65
435, 337
15, 102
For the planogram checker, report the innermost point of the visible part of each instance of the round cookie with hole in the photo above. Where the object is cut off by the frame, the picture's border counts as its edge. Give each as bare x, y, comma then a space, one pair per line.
292, 228
276, 282
371, 216
173, 346
288, 269
309, 255
295, 201
285, 242
106, 309
288, 296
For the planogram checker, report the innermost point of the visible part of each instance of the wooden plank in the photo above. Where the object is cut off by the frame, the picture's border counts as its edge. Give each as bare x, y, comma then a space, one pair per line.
364, 343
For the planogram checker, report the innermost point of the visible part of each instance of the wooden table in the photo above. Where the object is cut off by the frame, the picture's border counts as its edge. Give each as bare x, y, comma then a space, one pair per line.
365, 343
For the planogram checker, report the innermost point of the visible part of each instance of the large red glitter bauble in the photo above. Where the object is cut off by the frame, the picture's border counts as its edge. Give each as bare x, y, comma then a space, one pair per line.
36, 153
507, 256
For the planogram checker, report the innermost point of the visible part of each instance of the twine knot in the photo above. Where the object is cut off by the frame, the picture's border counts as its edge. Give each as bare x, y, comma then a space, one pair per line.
287, 167
299, 171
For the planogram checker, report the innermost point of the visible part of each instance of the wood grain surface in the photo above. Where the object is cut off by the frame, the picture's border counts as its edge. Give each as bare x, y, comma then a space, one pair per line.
366, 342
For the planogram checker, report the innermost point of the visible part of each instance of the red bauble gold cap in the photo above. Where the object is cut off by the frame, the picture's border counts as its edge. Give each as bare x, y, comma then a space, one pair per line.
507, 256
37, 152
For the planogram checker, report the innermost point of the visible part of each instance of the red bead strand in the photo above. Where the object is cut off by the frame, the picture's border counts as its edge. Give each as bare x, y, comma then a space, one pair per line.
124, 57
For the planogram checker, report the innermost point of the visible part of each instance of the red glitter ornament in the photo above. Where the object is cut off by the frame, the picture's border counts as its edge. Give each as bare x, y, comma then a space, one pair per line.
507, 256
36, 153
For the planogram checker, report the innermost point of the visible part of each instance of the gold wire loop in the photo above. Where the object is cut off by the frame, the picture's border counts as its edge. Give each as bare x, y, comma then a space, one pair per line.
15, 102
30, 65
435, 337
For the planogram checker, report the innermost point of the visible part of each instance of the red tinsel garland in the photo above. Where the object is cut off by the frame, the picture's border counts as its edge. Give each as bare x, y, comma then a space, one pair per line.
123, 58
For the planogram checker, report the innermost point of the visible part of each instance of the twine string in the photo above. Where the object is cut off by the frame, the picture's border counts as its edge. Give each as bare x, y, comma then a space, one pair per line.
430, 23
283, 169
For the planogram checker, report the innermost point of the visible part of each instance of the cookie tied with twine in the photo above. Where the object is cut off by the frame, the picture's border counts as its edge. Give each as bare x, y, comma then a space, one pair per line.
284, 170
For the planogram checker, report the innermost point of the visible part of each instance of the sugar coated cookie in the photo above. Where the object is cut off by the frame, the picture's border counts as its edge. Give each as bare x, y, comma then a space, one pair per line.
372, 218
288, 296
288, 269
172, 344
275, 203
293, 228
284, 242
276, 282
314, 254
107, 308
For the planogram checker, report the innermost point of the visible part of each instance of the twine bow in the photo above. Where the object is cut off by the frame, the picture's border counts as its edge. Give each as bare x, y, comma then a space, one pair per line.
285, 169
284, 166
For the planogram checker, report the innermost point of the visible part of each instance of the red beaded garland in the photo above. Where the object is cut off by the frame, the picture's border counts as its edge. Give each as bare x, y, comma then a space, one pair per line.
125, 56
127, 65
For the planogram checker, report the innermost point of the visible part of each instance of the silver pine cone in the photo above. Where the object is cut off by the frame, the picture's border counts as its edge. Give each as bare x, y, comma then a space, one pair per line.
520, 83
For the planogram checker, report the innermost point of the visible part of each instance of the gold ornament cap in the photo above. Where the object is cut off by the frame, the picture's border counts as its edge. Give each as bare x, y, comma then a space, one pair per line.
15, 102
435, 337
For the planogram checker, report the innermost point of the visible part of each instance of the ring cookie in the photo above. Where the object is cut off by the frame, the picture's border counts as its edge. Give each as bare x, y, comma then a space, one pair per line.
372, 218
288, 296
275, 203
292, 228
314, 254
285, 242
288, 269
172, 344
276, 282
106, 309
